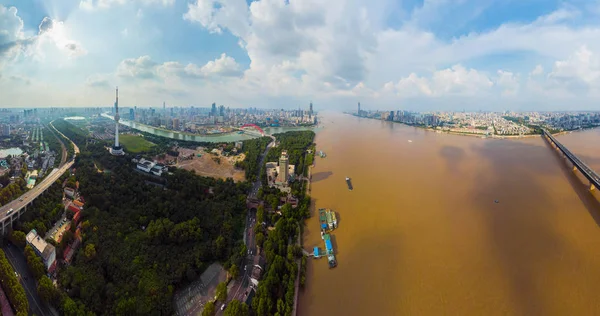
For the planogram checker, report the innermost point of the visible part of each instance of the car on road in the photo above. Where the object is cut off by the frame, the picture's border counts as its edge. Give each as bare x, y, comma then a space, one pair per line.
9, 211
223, 307
21, 200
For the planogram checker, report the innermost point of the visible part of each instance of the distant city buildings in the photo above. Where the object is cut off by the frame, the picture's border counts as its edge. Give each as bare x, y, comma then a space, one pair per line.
489, 123
221, 119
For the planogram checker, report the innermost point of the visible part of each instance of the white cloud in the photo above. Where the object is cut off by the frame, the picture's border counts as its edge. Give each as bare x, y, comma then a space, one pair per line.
12, 39
223, 66
508, 82
98, 80
538, 70
137, 68
90, 5
144, 67
456, 80
334, 51
56, 33
582, 66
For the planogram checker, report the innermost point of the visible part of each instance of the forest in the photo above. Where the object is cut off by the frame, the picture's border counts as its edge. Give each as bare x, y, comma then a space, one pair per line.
295, 143
51, 138
253, 148
142, 241
13, 289
275, 293
74, 133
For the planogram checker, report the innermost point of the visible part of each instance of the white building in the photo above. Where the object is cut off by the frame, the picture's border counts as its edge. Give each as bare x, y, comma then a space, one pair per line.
43, 249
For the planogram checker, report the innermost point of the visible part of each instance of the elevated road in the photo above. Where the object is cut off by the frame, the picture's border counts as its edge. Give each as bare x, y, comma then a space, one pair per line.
587, 172
11, 212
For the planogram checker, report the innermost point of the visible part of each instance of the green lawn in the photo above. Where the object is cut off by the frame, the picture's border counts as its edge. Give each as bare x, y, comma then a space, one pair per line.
135, 144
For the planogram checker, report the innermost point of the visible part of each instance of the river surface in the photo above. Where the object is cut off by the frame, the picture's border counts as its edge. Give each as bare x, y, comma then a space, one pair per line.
421, 233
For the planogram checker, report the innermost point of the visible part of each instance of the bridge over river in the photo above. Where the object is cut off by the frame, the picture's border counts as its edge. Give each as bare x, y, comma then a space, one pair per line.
587, 172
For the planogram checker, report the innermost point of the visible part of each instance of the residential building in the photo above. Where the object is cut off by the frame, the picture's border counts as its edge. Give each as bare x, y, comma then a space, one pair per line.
43, 249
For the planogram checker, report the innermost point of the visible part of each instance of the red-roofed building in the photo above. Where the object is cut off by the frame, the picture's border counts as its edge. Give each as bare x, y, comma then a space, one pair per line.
73, 208
78, 203
76, 218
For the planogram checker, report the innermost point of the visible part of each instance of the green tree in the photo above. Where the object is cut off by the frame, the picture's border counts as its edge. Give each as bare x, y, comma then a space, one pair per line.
260, 214
222, 292
90, 251
209, 309
34, 263
260, 239
236, 308
46, 289
234, 271
17, 238
13, 289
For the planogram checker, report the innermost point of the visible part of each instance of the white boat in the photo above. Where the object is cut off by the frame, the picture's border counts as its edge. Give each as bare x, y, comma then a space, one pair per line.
410, 141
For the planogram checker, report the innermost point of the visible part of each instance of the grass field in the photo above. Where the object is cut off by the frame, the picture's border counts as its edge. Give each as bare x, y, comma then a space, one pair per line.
135, 144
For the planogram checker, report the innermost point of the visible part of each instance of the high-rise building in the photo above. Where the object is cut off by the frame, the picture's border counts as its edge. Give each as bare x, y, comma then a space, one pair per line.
391, 116
221, 110
213, 110
310, 113
117, 150
176, 124
282, 176
358, 108
5, 128
131, 115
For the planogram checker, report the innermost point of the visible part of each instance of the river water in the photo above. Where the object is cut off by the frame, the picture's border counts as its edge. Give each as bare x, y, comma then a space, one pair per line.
421, 233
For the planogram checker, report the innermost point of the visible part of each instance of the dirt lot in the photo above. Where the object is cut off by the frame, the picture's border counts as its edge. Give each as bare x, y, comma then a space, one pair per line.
208, 166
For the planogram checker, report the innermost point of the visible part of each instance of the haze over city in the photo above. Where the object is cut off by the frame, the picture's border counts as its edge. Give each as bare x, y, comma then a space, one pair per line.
415, 55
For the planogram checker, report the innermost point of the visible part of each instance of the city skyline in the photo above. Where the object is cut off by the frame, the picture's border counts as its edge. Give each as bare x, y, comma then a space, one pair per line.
269, 54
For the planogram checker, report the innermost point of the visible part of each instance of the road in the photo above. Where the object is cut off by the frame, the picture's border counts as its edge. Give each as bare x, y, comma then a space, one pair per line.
241, 287
17, 260
30, 195
63, 158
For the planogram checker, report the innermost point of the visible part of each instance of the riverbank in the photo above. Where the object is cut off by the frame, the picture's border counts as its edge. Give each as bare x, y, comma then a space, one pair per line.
484, 136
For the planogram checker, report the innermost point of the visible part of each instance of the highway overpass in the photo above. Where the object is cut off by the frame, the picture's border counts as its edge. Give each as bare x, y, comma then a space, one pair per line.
587, 172
20, 204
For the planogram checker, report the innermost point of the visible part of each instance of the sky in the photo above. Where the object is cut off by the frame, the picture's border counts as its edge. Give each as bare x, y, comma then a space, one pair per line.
422, 55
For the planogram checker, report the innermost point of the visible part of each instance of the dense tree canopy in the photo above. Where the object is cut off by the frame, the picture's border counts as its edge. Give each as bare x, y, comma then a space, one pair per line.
295, 143
142, 241
253, 148
11, 286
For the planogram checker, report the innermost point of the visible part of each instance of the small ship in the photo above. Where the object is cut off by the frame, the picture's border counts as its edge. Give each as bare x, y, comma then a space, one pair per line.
349, 183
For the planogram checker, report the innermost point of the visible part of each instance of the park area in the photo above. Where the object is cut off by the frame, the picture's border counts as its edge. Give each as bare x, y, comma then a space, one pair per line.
212, 165
135, 143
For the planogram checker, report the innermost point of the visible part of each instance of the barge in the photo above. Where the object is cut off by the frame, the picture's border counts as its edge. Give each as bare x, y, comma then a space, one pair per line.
327, 219
329, 252
323, 219
349, 183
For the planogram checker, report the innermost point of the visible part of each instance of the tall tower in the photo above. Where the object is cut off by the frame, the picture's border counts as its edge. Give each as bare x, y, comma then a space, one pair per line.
283, 167
117, 150
358, 108
311, 110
